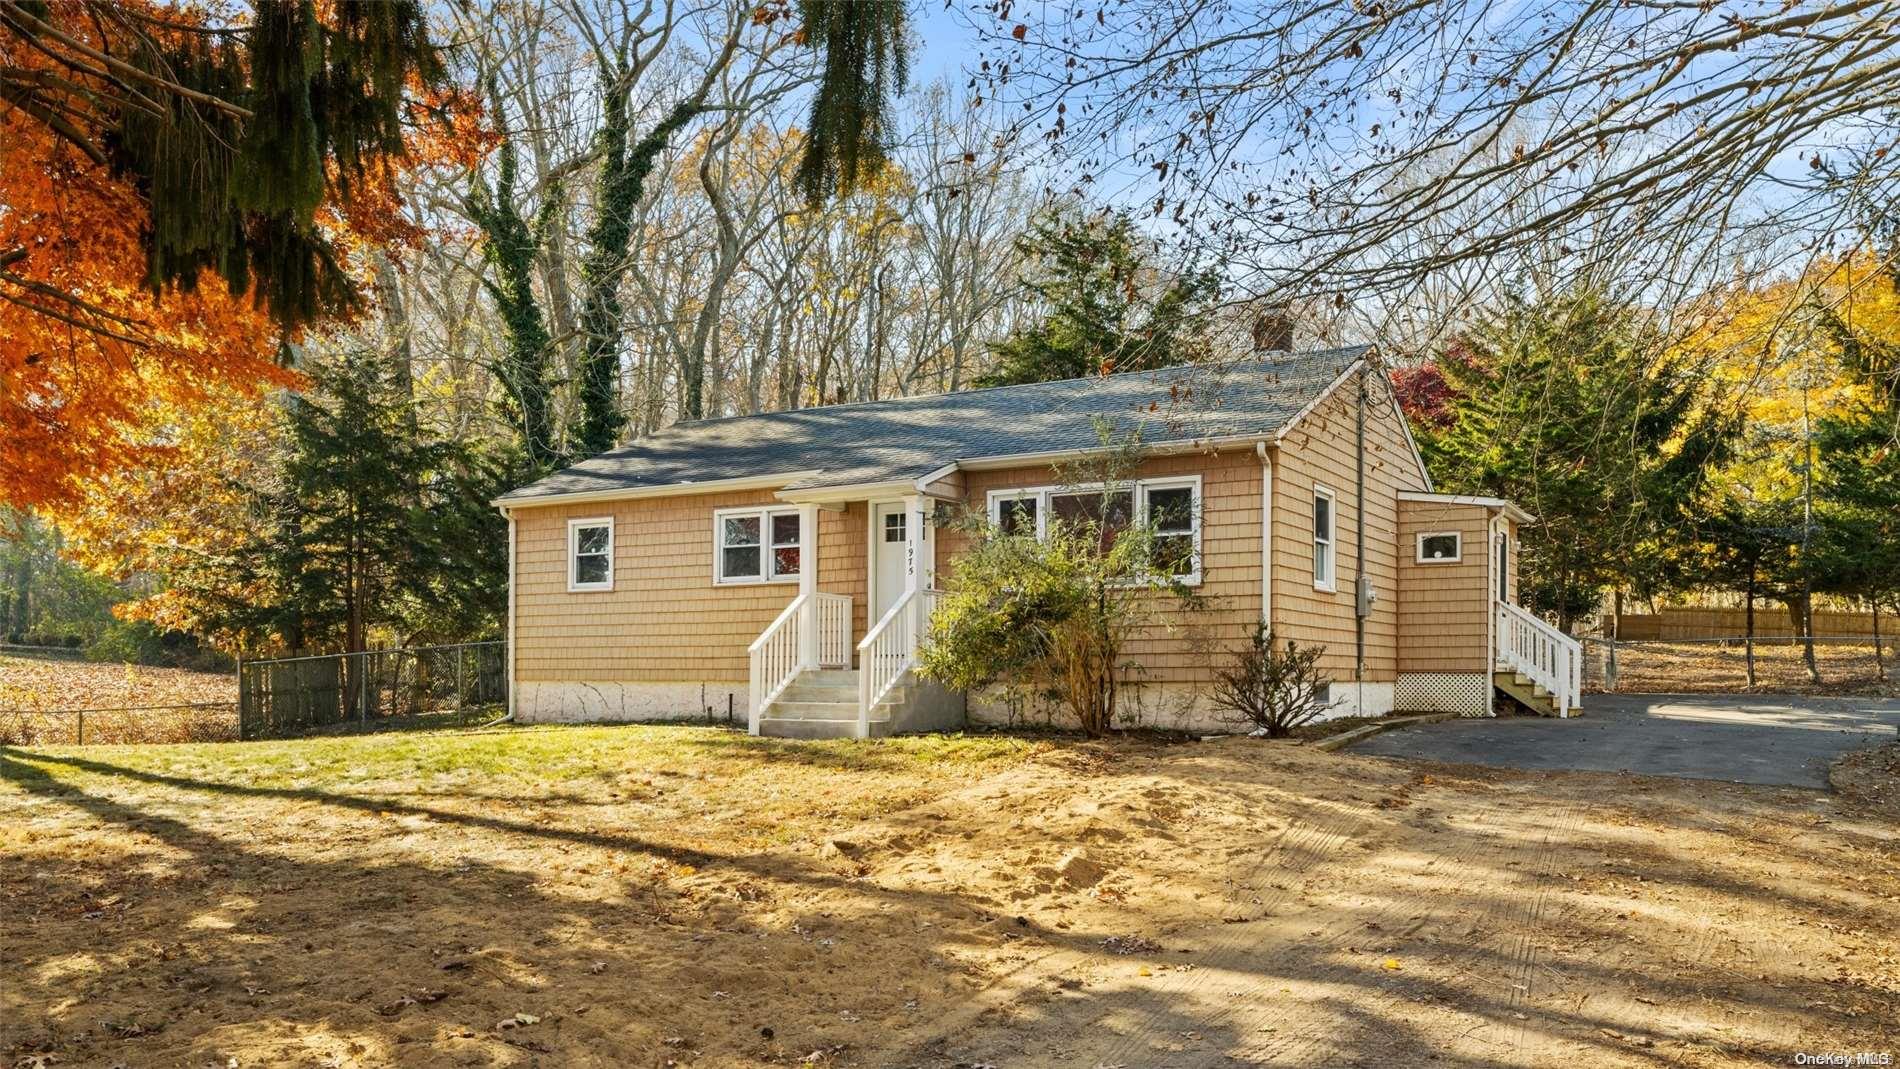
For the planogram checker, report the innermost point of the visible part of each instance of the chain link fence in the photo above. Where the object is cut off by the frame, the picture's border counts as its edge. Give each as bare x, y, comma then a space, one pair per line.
183, 722
291, 696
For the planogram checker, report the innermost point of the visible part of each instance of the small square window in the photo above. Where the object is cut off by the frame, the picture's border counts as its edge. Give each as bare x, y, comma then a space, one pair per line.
894, 527
1443, 547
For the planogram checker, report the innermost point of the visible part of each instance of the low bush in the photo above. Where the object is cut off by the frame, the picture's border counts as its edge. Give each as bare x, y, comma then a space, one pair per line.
1274, 689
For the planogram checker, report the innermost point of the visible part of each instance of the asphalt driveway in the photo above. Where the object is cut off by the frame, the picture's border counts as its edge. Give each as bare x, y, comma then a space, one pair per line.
1754, 738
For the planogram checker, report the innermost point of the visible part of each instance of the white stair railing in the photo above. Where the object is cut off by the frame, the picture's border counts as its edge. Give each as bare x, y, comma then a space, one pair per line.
889, 651
834, 631
776, 659
1541, 653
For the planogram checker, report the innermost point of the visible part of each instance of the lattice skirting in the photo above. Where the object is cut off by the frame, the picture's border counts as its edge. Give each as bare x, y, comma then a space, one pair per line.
1464, 693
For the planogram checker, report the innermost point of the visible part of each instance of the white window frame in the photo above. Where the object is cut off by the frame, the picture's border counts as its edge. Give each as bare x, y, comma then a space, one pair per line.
1330, 581
1140, 487
765, 515
1418, 548
574, 528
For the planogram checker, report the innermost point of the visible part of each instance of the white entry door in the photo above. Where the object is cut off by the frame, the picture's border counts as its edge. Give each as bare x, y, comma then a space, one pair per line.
888, 545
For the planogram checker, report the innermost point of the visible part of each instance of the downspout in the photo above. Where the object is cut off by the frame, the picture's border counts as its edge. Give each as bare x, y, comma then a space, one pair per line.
1362, 590
1266, 534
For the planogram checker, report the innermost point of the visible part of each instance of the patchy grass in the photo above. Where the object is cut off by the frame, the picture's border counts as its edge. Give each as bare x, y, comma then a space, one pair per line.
645, 896
1711, 668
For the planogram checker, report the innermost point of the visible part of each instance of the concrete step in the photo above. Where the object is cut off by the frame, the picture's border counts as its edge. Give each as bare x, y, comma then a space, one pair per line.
802, 710
777, 727
831, 677
802, 691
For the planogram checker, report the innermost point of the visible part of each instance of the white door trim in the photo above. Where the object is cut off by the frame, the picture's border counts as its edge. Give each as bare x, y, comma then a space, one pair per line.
874, 534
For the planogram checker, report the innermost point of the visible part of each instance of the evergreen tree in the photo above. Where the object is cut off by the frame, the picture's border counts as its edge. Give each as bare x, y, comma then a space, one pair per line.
370, 527
233, 135
1858, 452
1746, 544
1559, 405
866, 61
1107, 307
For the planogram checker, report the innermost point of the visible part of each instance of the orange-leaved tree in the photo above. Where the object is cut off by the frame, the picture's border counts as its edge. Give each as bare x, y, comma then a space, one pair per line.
175, 196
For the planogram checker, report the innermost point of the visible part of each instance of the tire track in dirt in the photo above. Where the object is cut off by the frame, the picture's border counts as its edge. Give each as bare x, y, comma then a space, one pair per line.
1319, 1039
1304, 843
1237, 964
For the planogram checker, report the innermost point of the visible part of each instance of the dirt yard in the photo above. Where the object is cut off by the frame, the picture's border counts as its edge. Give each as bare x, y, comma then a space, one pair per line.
32, 686
1712, 668
670, 896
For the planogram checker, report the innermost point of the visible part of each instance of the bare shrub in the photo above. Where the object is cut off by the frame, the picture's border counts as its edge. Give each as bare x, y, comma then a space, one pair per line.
1275, 690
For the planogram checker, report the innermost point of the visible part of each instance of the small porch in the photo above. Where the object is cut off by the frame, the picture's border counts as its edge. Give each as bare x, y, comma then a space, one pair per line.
812, 676
1538, 665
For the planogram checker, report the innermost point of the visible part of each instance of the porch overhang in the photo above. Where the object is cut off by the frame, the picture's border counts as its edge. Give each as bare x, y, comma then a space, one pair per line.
843, 493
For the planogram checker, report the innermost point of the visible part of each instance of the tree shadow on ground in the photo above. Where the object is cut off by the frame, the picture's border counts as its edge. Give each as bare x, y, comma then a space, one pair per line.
286, 925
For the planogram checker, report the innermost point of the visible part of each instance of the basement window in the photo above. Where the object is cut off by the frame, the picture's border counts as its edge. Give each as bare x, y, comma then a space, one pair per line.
1440, 547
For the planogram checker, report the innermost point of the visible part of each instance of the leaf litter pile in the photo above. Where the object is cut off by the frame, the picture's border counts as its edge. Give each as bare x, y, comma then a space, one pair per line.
673, 896
33, 686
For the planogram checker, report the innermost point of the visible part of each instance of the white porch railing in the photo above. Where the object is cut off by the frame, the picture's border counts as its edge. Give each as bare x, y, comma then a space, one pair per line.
889, 650
777, 657
1547, 656
834, 631
814, 631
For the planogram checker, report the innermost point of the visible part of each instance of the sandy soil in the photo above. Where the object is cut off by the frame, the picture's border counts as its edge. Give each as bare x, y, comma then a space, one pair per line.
676, 896
1869, 781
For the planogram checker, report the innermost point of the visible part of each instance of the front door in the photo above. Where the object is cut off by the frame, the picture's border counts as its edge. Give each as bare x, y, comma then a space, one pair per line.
1503, 558
888, 538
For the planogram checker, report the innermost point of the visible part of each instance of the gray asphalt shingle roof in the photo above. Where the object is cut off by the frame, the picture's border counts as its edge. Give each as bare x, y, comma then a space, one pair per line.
909, 437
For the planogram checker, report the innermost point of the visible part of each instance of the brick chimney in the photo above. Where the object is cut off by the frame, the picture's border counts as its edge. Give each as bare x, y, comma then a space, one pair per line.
1273, 331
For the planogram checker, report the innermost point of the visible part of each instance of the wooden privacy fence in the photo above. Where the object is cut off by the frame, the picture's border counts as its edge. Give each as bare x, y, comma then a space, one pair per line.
293, 695
1689, 622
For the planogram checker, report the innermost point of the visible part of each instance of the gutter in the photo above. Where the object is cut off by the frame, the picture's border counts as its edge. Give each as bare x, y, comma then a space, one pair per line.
630, 493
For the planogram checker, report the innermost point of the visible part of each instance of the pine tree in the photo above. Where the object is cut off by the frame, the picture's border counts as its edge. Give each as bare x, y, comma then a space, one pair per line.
866, 61
234, 136
1559, 406
1107, 307
370, 527
1858, 451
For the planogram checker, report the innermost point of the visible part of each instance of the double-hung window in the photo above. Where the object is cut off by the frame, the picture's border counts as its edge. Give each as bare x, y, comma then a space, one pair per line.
590, 554
1323, 539
1171, 509
1174, 519
755, 545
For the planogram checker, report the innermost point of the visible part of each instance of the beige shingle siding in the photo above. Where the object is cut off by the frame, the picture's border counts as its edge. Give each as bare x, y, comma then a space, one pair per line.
1230, 556
664, 620
1442, 606
1320, 450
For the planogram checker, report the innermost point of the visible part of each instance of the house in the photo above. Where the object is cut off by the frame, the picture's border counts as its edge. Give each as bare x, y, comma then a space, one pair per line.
784, 565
